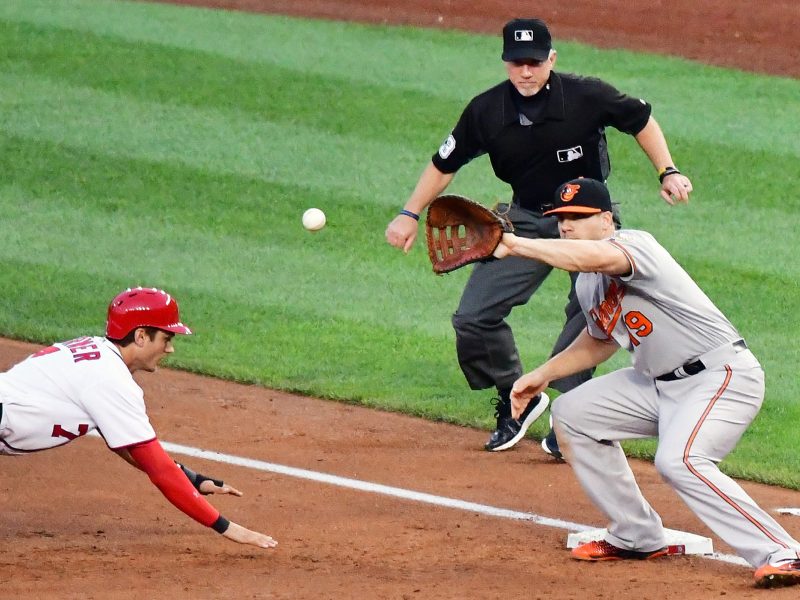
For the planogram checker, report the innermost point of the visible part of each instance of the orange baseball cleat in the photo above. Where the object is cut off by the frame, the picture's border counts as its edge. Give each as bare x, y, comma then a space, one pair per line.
602, 550
786, 573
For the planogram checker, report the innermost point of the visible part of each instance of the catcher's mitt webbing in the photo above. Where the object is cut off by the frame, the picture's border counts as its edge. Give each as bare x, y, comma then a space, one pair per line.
448, 240
460, 231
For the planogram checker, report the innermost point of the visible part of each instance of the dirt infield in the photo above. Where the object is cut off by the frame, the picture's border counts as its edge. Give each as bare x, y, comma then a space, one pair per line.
759, 37
77, 522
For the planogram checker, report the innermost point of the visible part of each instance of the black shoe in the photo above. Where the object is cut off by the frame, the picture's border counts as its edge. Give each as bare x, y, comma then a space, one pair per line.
550, 443
509, 430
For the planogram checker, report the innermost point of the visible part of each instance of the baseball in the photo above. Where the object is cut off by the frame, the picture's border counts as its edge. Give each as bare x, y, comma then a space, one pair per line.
313, 219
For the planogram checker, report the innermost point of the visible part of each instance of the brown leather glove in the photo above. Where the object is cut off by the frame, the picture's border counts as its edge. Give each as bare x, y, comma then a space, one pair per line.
460, 231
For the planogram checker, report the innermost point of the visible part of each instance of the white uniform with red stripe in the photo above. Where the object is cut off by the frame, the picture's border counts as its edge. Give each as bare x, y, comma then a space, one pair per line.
660, 315
67, 390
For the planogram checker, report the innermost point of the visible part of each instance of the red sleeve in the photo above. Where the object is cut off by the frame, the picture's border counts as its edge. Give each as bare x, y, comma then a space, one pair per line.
168, 478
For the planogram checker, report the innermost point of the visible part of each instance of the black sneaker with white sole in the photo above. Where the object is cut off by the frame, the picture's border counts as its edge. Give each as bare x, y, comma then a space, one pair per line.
509, 430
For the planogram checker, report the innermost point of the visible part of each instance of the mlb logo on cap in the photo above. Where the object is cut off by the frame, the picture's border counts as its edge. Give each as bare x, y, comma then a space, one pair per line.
526, 39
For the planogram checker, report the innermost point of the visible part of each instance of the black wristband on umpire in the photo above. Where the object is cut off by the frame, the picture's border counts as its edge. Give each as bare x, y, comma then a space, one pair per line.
667, 171
409, 213
196, 478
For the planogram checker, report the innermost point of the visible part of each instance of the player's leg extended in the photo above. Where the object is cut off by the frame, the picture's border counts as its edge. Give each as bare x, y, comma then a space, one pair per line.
703, 418
590, 420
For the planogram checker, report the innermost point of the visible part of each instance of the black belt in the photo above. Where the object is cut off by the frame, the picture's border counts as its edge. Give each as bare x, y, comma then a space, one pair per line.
696, 366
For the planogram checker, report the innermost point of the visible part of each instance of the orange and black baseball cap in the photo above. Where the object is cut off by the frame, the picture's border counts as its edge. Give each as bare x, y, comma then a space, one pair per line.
581, 196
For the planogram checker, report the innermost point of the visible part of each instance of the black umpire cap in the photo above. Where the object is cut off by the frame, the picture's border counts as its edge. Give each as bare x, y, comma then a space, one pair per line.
526, 39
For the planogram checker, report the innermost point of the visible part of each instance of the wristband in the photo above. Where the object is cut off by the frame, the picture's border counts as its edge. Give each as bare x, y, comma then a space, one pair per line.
408, 213
196, 478
667, 171
221, 524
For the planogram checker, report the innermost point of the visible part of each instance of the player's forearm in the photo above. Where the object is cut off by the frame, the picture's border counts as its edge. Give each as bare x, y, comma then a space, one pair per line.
176, 487
584, 353
581, 256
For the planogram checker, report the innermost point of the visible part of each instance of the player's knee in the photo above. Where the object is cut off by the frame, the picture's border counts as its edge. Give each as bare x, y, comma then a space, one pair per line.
566, 411
555, 409
671, 464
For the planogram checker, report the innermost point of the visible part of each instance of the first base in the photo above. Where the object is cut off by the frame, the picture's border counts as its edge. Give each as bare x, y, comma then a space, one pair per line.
692, 543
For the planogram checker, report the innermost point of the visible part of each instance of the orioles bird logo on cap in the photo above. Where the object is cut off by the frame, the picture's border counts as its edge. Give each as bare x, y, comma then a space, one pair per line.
569, 191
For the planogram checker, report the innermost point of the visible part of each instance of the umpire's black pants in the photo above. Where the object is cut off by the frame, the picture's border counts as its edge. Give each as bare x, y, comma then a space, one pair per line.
487, 353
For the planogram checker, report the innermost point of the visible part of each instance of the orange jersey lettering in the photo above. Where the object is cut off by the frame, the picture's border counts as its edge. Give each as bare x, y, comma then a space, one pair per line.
607, 313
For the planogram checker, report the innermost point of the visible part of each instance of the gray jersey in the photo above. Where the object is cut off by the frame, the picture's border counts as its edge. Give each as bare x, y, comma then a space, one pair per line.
657, 312
663, 318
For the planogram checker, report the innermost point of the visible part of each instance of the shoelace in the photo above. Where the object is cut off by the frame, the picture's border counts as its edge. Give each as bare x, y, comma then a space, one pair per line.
496, 401
502, 408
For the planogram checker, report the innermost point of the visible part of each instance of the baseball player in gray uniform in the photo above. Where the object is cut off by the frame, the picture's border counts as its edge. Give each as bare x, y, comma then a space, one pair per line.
693, 383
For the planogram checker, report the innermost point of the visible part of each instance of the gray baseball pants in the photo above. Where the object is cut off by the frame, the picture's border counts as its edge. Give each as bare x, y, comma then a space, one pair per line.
698, 421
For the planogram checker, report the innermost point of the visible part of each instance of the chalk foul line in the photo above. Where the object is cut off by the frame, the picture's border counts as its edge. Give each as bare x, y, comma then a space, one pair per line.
387, 490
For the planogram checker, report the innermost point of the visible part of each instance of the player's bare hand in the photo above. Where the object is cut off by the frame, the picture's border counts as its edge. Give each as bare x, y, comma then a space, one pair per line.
209, 487
525, 388
676, 188
401, 232
504, 247
242, 535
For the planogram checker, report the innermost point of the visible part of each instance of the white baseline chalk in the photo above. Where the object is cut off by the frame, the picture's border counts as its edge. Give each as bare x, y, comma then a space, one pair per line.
377, 488
788, 511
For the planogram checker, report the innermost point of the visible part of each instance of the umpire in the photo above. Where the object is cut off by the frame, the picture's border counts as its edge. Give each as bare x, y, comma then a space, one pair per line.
540, 128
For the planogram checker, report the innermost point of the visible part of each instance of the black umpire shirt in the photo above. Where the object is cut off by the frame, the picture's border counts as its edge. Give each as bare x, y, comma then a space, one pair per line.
535, 144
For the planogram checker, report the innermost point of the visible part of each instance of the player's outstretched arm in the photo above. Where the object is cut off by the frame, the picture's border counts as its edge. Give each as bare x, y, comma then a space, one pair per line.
176, 486
580, 256
241, 535
585, 352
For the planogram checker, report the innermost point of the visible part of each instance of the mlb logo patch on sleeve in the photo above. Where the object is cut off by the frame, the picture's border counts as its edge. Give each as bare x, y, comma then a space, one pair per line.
446, 149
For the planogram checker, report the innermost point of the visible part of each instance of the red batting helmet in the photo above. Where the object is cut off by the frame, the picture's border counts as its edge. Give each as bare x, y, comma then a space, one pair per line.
143, 307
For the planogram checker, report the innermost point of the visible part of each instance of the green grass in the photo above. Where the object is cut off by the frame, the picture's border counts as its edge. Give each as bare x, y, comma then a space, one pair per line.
159, 145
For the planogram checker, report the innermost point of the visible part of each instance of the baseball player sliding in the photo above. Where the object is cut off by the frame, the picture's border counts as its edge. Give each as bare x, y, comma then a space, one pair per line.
71, 388
693, 383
